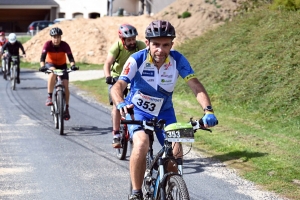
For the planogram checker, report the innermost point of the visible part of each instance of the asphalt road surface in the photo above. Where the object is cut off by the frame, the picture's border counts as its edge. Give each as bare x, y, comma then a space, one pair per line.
38, 163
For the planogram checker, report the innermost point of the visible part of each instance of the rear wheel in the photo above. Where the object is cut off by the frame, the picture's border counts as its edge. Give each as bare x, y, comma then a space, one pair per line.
124, 136
60, 111
13, 77
175, 188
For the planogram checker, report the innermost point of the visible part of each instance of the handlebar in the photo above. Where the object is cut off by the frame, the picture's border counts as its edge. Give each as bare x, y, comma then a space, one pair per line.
154, 123
59, 71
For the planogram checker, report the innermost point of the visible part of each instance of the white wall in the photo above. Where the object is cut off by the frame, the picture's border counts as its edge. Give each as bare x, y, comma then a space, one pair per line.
69, 7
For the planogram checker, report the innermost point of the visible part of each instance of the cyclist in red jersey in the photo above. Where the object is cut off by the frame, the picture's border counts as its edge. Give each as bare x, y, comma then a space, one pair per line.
54, 57
3, 40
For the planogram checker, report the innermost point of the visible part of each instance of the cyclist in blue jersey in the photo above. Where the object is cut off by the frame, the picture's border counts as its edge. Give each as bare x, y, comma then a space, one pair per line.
153, 73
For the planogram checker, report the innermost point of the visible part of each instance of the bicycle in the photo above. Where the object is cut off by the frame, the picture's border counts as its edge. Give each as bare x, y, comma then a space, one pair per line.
58, 107
161, 182
124, 139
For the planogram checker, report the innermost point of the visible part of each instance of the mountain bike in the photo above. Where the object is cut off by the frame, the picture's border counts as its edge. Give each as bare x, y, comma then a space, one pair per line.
58, 107
163, 176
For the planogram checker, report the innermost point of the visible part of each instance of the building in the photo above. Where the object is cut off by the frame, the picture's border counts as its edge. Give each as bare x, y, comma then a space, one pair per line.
16, 15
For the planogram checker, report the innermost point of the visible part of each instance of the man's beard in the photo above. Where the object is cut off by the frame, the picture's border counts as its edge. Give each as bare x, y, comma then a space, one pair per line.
131, 47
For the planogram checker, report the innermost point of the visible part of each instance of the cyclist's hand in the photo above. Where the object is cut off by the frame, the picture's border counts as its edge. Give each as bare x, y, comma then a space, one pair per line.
109, 80
209, 119
43, 69
74, 68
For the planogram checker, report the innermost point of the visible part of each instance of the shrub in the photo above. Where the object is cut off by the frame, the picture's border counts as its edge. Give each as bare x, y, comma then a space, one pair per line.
286, 5
186, 14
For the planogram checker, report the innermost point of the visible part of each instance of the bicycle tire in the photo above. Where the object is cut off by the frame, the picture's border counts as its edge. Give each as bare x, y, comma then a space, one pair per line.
4, 71
60, 109
175, 188
54, 114
13, 77
122, 152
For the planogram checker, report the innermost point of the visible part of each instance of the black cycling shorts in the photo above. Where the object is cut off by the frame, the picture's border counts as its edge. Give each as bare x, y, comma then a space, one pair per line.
65, 76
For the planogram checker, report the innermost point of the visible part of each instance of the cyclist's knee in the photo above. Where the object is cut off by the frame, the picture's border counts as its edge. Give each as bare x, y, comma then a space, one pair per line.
141, 140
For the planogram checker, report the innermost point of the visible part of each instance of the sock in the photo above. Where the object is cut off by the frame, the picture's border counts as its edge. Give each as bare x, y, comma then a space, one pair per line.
116, 134
67, 107
50, 95
139, 192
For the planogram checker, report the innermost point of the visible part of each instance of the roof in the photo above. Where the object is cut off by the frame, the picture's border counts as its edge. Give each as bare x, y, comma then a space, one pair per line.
28, 2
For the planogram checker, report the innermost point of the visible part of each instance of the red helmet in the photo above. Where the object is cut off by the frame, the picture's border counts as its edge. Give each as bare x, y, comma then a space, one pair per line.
126, 31
160, 28
2, 33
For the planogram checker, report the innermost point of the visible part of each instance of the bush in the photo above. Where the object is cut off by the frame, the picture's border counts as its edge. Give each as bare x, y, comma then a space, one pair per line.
186, 14
292, 5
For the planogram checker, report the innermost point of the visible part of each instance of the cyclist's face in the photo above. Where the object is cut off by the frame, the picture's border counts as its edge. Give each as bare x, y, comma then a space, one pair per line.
56, 39
160, 48
130, 43
2, 37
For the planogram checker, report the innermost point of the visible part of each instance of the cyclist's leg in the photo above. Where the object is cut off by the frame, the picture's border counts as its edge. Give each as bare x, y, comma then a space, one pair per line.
8, 64
138, 154
65, 78
169, 116
51, 83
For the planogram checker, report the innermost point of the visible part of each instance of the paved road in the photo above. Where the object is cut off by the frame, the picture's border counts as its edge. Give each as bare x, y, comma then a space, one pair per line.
37, 163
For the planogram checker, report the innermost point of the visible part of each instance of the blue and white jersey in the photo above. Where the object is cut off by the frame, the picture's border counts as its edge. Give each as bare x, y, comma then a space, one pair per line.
152, 89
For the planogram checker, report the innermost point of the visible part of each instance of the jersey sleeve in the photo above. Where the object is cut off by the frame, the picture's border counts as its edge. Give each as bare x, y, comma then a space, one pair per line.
183, 66
129, 70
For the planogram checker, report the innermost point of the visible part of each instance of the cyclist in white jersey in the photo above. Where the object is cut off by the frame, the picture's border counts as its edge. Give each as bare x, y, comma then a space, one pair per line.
153, 73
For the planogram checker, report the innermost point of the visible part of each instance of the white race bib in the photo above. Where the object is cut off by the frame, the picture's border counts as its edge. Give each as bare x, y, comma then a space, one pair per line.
148, 104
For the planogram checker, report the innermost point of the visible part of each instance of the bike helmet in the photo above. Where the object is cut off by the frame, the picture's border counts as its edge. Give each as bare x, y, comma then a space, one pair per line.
126, 31
12, 37
2, 33
56, 31
160, 28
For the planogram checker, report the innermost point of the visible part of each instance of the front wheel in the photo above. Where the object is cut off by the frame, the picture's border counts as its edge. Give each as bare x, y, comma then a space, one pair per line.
60, 111
175, 188
124, 136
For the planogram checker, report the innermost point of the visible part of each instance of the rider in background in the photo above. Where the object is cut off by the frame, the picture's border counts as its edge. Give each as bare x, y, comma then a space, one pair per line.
116, 58
153, 73
3, 40
54, 57
12, 47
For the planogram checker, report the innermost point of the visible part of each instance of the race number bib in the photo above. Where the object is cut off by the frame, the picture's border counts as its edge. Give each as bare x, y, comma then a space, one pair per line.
148, 104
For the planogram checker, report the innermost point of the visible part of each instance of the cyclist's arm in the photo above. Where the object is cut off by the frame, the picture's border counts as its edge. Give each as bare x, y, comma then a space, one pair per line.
22, 48
71, 59
199, 91
43, 59
117, 92
108, 63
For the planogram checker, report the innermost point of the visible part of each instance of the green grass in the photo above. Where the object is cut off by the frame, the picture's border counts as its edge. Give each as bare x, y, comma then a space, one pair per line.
250, 68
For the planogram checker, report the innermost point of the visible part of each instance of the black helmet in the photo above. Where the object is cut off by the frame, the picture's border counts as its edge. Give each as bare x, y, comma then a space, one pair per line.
126, 31
160, 28
56, 31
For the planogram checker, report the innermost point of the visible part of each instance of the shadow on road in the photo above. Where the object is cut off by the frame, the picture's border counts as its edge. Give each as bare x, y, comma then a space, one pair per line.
86, 130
